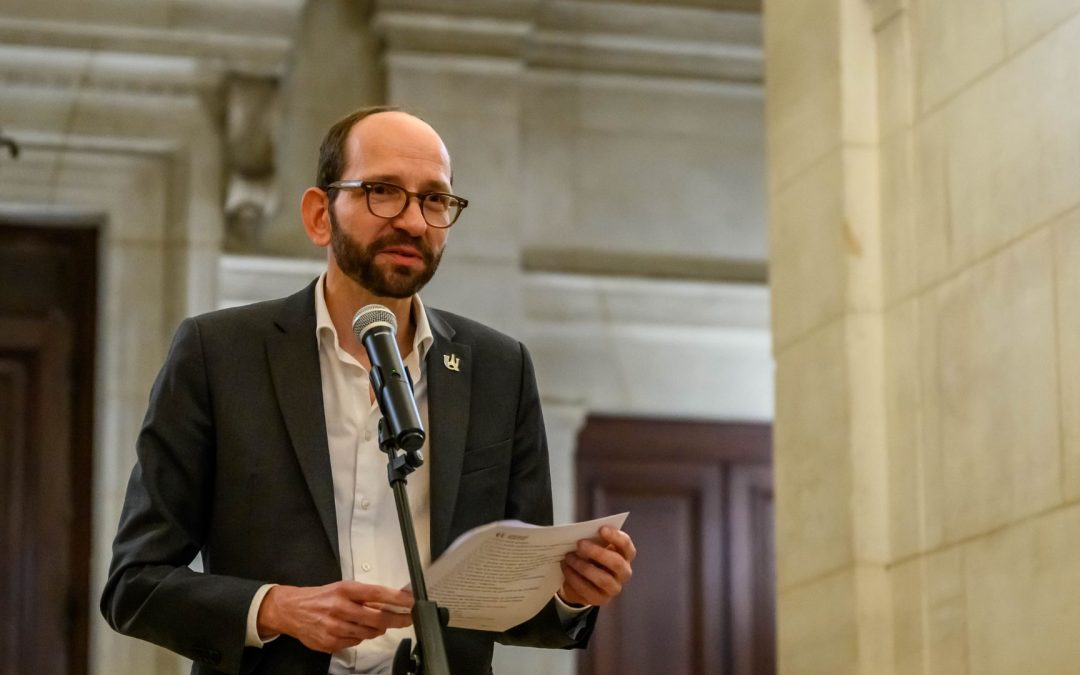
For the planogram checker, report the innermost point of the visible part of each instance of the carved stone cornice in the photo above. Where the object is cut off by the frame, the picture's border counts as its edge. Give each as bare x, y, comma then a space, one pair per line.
629, 38
184, 50
248, 53
70, 70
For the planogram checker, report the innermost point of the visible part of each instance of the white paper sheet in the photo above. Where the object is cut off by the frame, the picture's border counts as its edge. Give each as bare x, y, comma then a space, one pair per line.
498, 575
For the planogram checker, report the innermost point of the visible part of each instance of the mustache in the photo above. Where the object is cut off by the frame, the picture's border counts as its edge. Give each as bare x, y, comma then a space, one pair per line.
401, 239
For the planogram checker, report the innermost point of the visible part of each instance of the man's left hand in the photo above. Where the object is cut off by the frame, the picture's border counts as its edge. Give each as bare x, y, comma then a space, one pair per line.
595, 573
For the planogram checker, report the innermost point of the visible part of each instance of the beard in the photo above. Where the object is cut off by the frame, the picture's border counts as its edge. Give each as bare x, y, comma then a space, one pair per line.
388, 280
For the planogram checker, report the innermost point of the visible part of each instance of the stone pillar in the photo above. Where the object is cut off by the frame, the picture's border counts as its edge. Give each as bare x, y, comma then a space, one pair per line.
924, 241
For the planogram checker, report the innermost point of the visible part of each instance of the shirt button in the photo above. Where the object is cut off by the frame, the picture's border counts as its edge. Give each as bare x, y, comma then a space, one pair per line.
366, 567
365, 503
367, 435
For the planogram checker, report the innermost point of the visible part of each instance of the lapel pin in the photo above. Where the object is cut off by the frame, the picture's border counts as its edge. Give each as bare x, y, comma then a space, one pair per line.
452, 362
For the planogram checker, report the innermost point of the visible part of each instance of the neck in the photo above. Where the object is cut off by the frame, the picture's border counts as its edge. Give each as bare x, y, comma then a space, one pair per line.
344, 296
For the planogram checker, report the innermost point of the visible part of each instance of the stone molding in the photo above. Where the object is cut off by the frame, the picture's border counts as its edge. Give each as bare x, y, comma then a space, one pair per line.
646, 39
549, 298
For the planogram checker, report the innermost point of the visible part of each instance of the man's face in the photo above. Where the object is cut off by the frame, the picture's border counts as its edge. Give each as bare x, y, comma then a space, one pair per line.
390, 257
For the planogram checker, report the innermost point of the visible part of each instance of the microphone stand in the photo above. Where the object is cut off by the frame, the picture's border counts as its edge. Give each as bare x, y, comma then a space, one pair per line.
429, 657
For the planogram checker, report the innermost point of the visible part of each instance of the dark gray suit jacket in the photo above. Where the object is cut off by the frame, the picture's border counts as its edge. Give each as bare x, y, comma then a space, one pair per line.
233, 463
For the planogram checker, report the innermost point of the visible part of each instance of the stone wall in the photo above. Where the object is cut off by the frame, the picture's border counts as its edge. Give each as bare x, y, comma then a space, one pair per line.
924, 158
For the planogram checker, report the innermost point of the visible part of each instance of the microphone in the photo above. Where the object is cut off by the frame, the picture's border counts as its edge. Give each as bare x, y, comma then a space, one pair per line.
375, 327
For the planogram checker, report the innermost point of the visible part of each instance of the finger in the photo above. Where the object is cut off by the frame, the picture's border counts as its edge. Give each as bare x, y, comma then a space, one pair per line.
382, 620
600, 577
359, 592
582, 590
613, 561
341, 634
620, 540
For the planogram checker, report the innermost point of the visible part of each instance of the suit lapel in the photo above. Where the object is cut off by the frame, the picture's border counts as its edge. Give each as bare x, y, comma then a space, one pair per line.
448, 395
293, 354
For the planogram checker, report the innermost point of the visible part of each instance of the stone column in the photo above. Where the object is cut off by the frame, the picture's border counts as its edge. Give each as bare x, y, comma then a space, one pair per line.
923, 252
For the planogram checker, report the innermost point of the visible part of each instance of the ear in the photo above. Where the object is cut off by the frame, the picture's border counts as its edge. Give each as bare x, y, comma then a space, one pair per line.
315, 212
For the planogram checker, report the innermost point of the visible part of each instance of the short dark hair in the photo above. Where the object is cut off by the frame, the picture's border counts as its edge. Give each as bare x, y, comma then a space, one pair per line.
332, 149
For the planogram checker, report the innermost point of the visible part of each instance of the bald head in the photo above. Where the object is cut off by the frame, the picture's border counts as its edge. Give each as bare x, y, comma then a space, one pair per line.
397, 147
381, 132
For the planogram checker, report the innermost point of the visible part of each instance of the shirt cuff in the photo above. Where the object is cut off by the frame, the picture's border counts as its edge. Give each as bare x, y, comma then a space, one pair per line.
567, 613
252, 639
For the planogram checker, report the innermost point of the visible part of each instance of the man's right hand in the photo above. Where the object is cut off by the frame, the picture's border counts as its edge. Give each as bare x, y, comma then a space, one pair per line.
332, 617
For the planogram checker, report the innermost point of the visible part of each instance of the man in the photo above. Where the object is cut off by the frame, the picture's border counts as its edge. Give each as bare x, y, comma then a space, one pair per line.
259, 447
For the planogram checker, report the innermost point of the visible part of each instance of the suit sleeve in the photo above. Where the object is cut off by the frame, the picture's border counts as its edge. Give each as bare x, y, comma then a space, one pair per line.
151, 593
529, 500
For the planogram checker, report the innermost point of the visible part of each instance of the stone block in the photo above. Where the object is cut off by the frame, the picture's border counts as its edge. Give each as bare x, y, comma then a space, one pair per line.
862, 228
956, 41
131, 352
864, 347
991, 422
904, 412
817, 632
900, 260
933, 220
1067, 278
119, 421
1023, 597
1028, 20
895, 75
812, 458
802, 86
1013, 143
930, 615
808, 241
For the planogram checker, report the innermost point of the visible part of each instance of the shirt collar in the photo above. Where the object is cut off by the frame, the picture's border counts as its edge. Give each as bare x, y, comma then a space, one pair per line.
326, 333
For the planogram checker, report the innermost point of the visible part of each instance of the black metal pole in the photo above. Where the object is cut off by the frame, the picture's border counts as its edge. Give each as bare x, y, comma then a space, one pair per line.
429, 657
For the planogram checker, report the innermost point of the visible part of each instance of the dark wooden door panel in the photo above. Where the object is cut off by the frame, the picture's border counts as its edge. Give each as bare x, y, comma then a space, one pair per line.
675, 518
47, 320
700, 503
34, 354
753, 570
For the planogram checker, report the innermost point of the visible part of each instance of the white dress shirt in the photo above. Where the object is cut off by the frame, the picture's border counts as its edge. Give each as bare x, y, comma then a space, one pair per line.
369, 537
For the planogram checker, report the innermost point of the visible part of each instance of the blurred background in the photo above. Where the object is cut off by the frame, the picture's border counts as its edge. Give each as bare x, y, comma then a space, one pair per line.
822, 249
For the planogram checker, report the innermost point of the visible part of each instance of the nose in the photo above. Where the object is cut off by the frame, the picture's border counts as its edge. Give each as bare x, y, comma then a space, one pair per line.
411, 220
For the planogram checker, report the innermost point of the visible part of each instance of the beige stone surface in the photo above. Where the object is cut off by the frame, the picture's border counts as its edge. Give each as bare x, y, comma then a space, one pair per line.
1067, 279
1029, 20
874, 613
864, 347
812, 461
895, 75
930, 615
992, 441
808, 241
900, 259
955, 42
1023, 597
933, 220
858, 74
904, 405
817, 631
132, 275
1013, 146
802, 89
862, 228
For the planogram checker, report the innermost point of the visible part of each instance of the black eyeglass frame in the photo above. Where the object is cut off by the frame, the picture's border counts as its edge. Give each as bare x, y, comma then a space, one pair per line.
366, 184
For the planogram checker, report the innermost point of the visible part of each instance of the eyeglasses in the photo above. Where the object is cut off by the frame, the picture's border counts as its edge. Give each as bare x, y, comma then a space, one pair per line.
386, 200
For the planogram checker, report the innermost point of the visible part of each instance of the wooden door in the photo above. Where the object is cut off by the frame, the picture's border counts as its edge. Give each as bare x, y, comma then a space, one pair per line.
701, 514
47, 309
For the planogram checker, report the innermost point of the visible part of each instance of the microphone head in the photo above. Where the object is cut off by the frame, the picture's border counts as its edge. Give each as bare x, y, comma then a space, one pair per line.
370, 317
